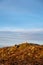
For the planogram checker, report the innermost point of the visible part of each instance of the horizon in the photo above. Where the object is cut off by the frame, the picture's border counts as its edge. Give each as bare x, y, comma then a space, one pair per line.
8, 38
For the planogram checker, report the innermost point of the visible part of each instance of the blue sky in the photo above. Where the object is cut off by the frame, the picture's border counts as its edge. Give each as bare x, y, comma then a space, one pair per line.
23, 17
21, 14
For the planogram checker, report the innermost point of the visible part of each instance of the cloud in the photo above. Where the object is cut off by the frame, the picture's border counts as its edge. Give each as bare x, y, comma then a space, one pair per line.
18, 36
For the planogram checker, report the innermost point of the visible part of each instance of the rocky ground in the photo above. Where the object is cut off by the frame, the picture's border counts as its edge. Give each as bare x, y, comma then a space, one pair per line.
22, 54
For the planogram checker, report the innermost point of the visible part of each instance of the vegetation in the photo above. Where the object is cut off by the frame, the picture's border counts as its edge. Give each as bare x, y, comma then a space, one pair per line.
22, 54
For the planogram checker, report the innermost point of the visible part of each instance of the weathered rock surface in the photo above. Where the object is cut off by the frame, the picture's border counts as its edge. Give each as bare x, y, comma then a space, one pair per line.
22, 54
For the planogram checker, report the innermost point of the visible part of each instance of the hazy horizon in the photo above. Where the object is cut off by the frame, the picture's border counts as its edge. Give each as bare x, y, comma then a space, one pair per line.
8, 38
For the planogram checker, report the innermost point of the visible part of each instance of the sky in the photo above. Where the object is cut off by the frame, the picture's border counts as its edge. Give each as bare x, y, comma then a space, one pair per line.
12, 38
22, 16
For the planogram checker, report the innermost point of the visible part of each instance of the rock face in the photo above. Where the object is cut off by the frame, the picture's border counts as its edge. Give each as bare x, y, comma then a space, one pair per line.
22, 54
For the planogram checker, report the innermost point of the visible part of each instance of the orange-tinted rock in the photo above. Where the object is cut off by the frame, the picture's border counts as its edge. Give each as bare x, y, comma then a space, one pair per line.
22, 54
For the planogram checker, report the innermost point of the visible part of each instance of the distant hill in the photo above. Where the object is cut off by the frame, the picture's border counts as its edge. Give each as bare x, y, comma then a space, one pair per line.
22, 54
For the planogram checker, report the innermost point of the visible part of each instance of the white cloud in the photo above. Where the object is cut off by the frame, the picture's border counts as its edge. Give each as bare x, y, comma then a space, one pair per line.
11, 37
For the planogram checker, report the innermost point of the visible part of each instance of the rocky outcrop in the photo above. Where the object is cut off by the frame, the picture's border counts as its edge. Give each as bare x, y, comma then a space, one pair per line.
22, 54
